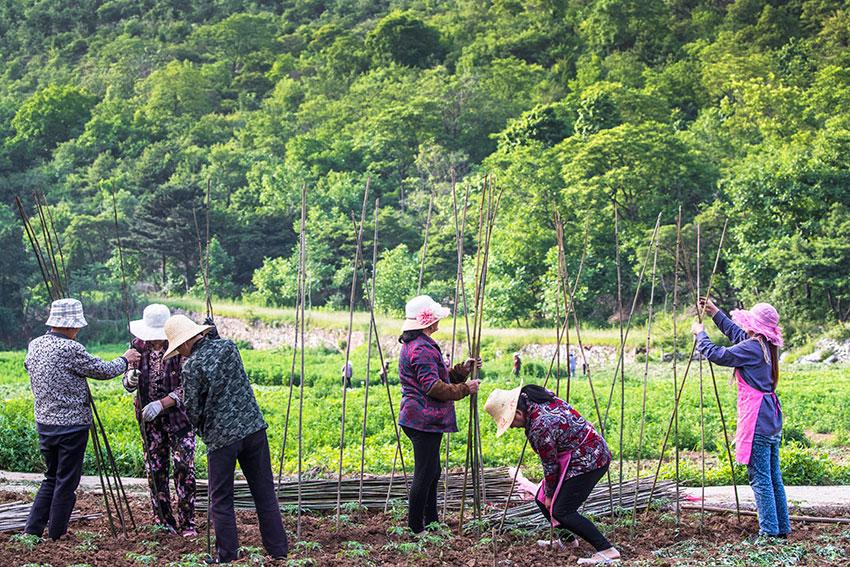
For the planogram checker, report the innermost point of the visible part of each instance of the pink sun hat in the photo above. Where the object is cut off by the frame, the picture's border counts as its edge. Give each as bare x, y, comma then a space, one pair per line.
422, 312
762, 319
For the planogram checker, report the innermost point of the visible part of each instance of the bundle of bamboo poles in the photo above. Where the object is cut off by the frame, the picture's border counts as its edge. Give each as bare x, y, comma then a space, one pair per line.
57, 285
13, 516
636, 495
320, 494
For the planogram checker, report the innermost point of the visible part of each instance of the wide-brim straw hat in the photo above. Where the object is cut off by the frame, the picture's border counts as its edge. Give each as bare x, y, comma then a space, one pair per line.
178, 330
66, 314
762, 319
151, 327
501, 405
421, 312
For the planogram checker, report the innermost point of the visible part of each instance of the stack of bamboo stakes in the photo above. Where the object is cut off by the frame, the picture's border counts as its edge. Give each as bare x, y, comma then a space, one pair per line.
13, 516
57, 285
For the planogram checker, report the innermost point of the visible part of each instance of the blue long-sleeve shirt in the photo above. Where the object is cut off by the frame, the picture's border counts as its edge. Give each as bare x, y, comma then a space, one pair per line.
747, 356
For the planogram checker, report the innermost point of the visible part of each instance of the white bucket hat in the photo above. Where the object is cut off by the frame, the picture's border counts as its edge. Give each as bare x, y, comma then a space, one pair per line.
178, 330
501, 405
151, 327
422, 312
66, 313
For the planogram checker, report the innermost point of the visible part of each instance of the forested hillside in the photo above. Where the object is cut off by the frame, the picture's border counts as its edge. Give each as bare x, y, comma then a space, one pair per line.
737, 110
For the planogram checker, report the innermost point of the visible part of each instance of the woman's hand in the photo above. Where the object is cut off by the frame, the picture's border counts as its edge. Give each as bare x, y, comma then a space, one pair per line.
707, 306
471, 363
697, 328
473, 386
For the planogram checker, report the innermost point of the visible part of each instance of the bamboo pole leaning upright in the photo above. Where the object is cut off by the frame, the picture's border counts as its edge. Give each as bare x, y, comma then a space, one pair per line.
368, 358
701, 399
645, 377
621, 361
354, 265
676, 358
425, 243
302, 262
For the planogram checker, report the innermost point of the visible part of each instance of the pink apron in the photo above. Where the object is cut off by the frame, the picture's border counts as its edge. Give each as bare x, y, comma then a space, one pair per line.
749, 404
564, 460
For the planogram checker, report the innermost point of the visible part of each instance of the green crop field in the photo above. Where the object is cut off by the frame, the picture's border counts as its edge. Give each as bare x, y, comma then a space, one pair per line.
816, 402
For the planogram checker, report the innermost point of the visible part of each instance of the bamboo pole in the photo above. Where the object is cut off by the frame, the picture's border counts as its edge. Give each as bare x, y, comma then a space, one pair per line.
354, 265
701, 397
622, 347
425, 244
58, 243
31, 236
301, 301
645, 375
368, 357
676, 358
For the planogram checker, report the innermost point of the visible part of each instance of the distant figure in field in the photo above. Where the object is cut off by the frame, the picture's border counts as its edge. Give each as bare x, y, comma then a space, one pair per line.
572, 364
756, 339
347, 373
517, 365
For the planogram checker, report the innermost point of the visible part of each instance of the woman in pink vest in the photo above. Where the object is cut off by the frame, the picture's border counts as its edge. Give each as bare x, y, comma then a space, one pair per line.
756, 339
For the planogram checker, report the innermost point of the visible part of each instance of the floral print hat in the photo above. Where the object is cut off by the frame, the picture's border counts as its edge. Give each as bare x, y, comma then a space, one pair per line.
421, 312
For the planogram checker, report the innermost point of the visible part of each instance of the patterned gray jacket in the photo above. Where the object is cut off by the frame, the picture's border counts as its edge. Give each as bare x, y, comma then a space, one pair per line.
217, 395
58, 368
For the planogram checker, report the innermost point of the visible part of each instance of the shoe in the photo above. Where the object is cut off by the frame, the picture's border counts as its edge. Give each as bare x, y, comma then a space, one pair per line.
598, 559
551, 543
189, 532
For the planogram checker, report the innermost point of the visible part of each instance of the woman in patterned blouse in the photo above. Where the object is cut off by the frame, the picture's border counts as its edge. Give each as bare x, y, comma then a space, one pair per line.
428, 392
573, 454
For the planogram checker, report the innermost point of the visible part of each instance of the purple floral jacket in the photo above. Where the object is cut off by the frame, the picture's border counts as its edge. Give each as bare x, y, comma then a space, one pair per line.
556, 428
157, 379
420, 366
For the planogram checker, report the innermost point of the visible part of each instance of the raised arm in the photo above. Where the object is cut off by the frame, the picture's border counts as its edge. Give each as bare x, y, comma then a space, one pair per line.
741, 354
544, 445
732, 331
90, 366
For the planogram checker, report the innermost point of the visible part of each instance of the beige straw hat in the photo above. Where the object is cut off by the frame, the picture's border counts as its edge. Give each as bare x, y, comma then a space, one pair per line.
501, 405
180, 329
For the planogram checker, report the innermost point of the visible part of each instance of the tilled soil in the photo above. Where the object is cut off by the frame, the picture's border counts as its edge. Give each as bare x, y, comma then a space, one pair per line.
653, 540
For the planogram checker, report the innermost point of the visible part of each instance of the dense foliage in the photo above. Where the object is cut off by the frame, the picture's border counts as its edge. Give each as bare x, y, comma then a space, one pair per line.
731, 109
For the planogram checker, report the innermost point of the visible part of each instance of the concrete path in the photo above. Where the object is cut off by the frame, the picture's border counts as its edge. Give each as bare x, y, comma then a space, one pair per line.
800, 497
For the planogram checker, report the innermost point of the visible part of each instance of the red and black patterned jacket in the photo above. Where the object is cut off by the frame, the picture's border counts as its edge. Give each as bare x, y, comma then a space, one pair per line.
555, 428
157, 379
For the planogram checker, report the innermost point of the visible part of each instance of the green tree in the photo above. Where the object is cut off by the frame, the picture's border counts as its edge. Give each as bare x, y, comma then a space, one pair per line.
405, 39
398, 274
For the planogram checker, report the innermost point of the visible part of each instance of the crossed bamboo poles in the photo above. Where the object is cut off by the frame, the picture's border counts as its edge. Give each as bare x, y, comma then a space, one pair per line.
56, 283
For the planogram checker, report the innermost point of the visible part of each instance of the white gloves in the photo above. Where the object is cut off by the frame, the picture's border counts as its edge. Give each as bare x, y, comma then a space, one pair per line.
150, 411
131, 379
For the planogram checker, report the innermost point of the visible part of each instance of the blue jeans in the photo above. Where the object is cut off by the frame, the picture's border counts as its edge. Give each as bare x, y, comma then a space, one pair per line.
766, 482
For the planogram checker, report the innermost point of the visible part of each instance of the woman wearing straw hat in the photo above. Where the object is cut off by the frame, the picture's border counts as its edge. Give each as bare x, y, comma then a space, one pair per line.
573, 454
756, 339
428, 392
162, 417
59, 368
220, 404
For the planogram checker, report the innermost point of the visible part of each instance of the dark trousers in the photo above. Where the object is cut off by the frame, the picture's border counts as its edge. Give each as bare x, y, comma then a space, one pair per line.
54, 502
422, 503
574, 491
252, 452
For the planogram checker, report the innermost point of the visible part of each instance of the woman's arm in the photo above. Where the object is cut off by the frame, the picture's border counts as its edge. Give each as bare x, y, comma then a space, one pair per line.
732, 331
741, 354
544, 445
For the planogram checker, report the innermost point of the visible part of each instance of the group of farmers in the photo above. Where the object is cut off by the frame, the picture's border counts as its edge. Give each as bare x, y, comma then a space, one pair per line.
188, 380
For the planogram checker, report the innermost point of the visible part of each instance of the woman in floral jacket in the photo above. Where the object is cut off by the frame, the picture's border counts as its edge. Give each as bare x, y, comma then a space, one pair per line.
573, 454
162, 418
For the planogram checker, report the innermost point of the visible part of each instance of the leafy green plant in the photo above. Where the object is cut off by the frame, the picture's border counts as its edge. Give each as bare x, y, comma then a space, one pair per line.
404, 547
190, 560
308, 546
398, 531
252, 554
353, 550
27, 541
303, 562
87, 541
353, 507
144, 559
